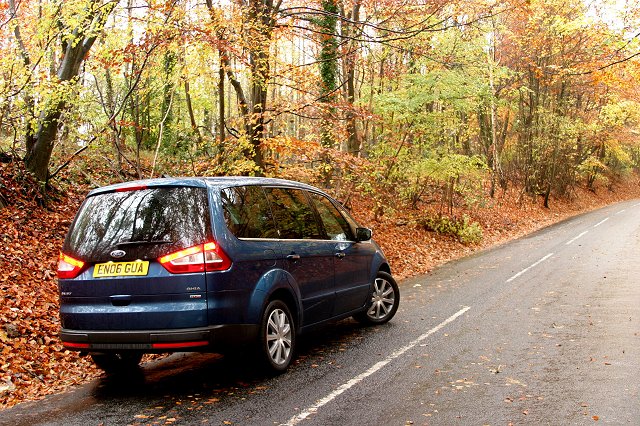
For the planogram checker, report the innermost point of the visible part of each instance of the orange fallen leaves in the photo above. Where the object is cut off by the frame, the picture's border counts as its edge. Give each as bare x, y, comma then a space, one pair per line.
33, 362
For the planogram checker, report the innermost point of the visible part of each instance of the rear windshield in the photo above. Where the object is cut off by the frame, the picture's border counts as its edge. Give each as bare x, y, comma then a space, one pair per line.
145, 224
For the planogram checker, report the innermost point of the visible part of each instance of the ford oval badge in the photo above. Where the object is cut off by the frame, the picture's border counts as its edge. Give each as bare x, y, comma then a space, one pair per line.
118, 253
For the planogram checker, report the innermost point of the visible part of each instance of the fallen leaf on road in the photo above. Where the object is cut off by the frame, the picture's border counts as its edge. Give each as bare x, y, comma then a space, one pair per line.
512, 381
141, 416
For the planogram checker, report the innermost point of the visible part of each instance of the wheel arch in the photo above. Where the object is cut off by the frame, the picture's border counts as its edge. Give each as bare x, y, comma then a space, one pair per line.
378, 263
276, 284
286, 296
385, 268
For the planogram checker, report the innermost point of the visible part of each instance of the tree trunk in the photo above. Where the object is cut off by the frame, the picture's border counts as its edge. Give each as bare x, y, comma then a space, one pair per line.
76, 47
110, 108
496, 171
353, 138
192, 117
328, 62
37, 160
221, 117
168, 92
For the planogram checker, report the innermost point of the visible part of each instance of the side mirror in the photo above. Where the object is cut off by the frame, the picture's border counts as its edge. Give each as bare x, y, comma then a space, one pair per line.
363, 234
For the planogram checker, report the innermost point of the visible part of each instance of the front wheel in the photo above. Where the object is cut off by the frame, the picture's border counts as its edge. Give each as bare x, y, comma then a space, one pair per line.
277, 336
385, 298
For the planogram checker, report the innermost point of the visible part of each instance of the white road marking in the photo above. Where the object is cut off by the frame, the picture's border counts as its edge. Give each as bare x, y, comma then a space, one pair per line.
574, 239
601, 222
636, 205
527, 269
621, 211
376, 367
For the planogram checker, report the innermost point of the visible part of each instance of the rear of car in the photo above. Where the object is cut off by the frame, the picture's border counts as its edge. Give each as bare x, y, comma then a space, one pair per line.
133, 269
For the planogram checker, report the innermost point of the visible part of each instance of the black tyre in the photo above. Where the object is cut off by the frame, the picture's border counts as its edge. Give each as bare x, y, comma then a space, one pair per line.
115, 363
385, 298
277, 337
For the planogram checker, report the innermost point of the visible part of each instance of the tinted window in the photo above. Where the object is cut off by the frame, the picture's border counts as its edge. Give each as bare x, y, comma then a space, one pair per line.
350, 220
247, 212
334, 223
146, 224
293, 214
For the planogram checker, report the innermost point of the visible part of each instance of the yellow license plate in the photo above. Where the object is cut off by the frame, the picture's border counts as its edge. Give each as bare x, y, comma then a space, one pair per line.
121, 269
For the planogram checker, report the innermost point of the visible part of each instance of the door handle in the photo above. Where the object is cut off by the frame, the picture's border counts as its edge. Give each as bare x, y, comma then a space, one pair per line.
293, 257
340, 255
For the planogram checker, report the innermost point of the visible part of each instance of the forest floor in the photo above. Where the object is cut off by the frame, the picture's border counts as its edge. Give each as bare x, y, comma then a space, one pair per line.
33, 362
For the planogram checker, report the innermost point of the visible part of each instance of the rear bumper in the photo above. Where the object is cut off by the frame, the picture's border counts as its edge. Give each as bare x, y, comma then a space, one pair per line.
153, 341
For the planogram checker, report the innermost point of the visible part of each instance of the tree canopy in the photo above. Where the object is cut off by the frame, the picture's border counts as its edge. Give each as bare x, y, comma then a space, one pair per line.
538, 94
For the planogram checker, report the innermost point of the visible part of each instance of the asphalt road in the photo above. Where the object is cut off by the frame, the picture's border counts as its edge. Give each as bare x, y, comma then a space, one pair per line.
544, 330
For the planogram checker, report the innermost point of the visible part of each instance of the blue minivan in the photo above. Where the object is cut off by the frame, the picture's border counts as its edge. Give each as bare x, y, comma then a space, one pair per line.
210, 264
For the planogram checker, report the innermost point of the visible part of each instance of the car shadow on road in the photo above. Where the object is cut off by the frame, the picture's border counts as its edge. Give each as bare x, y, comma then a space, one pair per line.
184, 374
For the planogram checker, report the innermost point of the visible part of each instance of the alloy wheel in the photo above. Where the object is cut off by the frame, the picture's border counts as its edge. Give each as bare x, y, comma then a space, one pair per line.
383, 299
279, 336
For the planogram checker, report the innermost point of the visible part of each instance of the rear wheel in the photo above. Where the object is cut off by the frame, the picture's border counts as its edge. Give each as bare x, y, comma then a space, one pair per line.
277, 336
385, 298
114, 363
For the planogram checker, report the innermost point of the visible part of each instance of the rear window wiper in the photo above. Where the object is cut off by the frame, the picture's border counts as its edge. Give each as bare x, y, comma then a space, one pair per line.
142, 242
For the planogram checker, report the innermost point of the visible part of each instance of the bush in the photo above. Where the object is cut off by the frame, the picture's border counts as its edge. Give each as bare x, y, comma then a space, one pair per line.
466, 231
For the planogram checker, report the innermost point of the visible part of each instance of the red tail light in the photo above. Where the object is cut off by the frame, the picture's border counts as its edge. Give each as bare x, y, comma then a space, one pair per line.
68, 267
200, 258
76, 345
131, 188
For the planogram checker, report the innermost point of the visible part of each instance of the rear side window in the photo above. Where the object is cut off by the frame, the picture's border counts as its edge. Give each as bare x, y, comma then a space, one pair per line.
334, 223
293, 214
247, 212
146, 223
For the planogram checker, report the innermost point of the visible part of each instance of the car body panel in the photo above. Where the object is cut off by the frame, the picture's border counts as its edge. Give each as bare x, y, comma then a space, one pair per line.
353, 282
310, 266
